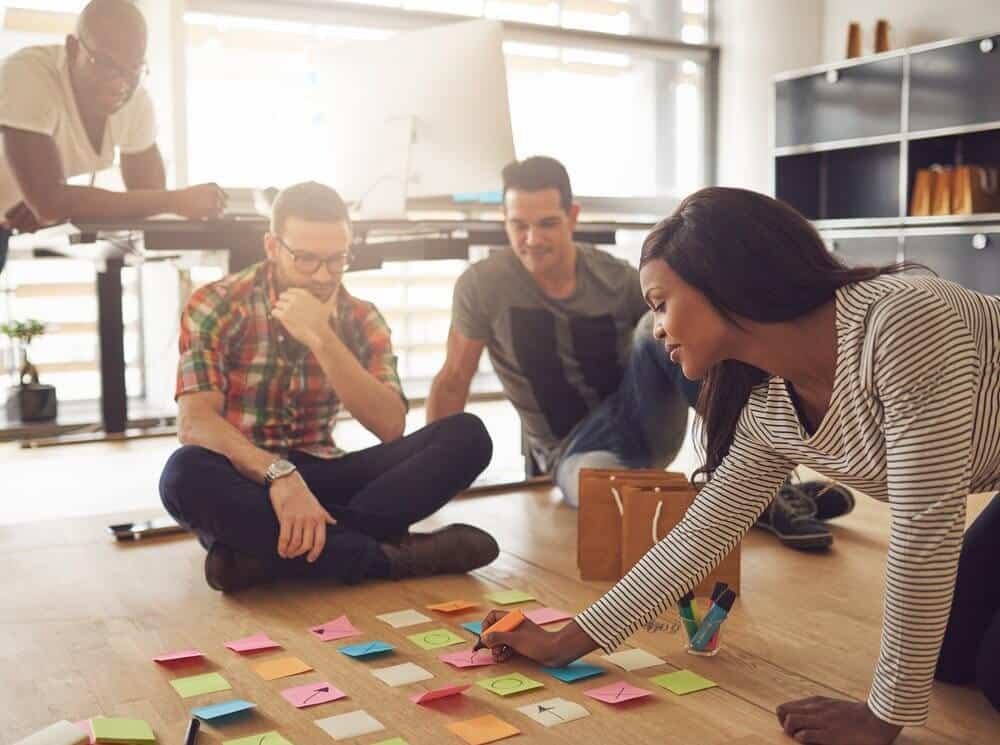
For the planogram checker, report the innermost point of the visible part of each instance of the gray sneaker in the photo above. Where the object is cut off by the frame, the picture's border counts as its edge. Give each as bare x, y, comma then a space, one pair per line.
791, 516
832, 500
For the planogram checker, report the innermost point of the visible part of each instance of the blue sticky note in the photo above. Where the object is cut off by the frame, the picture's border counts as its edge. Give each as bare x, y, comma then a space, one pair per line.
574, 671
367, 649
476, 627
225, 709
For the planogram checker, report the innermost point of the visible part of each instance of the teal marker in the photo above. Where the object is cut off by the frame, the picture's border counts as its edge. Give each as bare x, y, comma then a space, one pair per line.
713, 620
687, 614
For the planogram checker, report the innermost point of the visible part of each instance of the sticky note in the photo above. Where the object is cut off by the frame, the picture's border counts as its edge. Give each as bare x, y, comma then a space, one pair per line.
509, 597
312, 694
197, 685
476, 627
346, 726
574, 671
452, 606
508, 685
482, 730
264, 738
438, 693
255, 643
393, 741
283, 668
542, 616
469, 658
338, 628
367, 649
554, 711
436, 639
403, 618
401, 675
58, 733
223, 710
179, 658
682, 682
113, 729
633, 659
617, 693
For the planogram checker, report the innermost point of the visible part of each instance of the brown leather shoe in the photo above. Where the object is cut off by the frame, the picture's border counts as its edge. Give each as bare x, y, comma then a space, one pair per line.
454, 549
229, 571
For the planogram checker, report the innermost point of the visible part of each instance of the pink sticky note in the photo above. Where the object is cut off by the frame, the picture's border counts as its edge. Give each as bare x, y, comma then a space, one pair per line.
617, 693
312, 694
543, 616
338, 628
469, 658
426, 696
255, 643
179, 658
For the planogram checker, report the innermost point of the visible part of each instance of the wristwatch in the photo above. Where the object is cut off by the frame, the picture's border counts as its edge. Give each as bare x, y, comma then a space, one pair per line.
277, 470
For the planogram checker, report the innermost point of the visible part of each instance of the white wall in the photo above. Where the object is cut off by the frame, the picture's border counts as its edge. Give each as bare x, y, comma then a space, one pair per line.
911, 21
758, 39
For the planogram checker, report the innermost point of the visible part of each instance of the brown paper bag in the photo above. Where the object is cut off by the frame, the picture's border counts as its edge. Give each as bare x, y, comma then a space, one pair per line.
941, 190
920, 201
599, 516
652, 512
974, 190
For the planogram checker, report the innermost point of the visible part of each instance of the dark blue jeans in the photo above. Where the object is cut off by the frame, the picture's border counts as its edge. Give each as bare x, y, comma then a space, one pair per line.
374, 494
971, 649
641, 425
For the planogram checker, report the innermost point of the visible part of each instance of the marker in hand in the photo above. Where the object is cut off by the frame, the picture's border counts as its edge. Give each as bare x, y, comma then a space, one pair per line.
508, 623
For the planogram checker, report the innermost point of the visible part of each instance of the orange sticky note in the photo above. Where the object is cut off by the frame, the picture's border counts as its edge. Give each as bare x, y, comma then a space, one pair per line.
274, 669
452, 606
482, 730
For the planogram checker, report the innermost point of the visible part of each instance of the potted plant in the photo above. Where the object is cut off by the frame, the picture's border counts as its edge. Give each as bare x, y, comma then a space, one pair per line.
29, 401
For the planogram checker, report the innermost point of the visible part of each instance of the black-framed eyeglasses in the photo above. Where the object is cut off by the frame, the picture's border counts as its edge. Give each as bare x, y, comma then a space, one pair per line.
309, 263
107, 69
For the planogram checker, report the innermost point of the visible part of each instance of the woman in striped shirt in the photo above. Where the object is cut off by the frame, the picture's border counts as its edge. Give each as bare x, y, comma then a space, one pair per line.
889, 383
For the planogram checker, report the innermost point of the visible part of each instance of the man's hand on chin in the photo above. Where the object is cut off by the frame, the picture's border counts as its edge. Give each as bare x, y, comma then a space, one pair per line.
305, 317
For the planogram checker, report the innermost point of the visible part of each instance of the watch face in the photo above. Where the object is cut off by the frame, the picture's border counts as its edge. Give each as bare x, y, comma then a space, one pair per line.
283, 467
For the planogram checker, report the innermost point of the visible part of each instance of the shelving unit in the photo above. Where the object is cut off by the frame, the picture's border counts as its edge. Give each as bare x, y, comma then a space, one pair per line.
849, 138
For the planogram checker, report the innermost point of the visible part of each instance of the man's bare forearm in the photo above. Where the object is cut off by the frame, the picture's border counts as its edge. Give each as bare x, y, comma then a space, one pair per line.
211, 431
447, 397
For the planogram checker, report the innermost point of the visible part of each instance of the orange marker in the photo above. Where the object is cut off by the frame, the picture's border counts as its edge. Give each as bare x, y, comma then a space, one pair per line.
508, 623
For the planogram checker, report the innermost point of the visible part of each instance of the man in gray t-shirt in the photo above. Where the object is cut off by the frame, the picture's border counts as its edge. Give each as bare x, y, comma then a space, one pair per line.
560, 322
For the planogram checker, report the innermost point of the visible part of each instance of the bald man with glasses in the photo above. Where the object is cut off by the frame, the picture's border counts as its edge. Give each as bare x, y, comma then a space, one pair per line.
64, 112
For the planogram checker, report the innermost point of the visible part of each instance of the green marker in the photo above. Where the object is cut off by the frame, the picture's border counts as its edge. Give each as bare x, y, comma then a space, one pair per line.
687, 614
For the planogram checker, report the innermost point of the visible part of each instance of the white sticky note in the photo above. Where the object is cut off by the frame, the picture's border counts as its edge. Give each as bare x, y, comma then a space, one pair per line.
60, 733
554, 711
346, 726
401, 675
633, 659
403, 618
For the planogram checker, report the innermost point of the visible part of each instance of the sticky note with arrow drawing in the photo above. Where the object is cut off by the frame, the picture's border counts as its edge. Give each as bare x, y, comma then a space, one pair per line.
312, 694
554, 711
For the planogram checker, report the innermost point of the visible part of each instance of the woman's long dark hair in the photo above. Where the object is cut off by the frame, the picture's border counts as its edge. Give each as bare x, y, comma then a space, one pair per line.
753, 257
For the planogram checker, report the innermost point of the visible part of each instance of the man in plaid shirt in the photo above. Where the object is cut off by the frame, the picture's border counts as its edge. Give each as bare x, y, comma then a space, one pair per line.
268, 357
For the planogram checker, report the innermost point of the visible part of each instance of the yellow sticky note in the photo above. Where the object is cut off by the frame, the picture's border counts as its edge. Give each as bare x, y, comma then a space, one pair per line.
482, 730
452, 606
286, 666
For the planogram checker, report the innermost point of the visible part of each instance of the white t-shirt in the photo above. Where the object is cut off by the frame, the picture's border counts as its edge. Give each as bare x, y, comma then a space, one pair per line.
36, 95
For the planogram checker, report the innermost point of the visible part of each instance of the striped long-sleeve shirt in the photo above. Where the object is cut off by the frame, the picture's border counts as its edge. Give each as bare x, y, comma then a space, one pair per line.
914, 420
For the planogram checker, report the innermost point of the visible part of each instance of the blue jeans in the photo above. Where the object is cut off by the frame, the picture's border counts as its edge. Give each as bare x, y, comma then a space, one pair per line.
641, 425
374, 494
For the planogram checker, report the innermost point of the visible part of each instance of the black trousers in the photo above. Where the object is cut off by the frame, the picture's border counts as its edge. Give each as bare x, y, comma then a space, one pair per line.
4, 246
374, 494
971, 649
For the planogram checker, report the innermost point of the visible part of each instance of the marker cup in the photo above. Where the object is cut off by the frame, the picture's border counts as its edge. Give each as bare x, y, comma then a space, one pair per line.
712, 648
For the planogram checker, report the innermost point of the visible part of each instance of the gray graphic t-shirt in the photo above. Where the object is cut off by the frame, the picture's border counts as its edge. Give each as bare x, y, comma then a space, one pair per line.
556, 359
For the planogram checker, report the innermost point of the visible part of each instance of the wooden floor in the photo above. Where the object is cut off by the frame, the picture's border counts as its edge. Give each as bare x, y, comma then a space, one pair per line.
81, 617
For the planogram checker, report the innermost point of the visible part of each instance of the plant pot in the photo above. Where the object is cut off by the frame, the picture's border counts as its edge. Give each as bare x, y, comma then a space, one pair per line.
32, 402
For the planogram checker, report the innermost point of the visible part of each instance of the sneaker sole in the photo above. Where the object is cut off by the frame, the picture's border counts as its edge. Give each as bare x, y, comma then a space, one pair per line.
807, 542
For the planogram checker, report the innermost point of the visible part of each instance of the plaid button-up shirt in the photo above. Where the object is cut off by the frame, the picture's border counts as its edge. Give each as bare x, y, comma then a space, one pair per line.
275, 391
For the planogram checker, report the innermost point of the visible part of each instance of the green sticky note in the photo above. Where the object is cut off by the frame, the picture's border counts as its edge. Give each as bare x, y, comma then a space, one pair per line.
109, 729
197, 685
508, 685
682, 682
435, 639
393, 741
509, 597
264, 738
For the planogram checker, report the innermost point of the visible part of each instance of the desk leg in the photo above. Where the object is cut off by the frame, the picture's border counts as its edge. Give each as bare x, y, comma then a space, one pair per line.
111, 330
